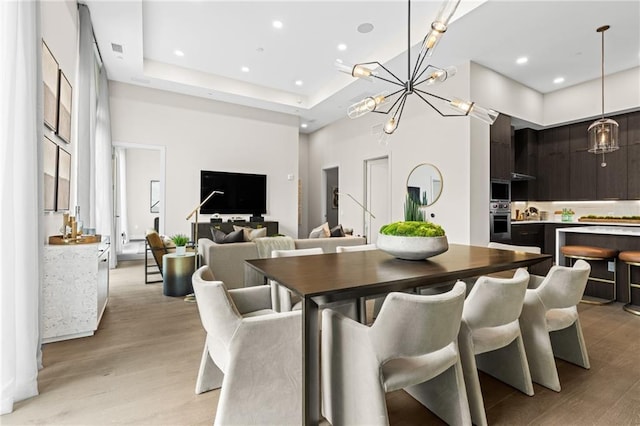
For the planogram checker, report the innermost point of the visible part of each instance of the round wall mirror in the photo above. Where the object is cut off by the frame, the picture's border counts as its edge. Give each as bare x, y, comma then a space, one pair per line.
424, 184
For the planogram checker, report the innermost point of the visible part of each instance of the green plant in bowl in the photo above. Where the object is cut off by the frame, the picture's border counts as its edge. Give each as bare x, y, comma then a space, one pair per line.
413, 229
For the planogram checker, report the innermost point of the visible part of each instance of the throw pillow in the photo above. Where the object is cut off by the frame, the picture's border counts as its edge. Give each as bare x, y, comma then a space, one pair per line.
337, 231
250, 234
222, 238
321, 231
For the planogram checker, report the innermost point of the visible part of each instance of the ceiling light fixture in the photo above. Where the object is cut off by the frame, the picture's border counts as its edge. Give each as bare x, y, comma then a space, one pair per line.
418, 76
342, 47
277, 24
299, 82
178, 53
244, 69
558, 80
603, 133
522, 60
304, 125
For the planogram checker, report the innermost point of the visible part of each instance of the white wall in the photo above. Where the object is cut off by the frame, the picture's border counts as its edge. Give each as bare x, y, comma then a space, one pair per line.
143, 166
203, 134
423, 136
59, 20
303, 177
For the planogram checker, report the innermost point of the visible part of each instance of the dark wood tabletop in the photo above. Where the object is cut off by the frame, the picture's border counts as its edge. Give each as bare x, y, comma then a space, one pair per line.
339, 276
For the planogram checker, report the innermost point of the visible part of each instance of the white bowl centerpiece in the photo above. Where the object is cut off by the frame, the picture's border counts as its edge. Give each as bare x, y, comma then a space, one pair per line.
412, 240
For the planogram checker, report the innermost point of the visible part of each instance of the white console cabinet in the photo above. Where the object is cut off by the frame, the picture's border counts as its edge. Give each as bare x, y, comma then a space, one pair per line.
75, 290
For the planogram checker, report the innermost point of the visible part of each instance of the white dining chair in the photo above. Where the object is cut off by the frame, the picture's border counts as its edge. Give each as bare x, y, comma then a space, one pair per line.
550, 323
254, 349
282, 299
490, 339
362, 302
412, 345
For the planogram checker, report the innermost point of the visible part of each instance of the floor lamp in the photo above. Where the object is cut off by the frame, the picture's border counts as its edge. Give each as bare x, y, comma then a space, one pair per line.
361, 206
195, 211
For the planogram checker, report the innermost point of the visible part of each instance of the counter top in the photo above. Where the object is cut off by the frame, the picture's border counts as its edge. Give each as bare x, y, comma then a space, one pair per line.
606, 230
575, 222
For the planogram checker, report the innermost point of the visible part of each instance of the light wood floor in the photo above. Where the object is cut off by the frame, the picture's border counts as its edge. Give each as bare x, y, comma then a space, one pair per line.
140, 368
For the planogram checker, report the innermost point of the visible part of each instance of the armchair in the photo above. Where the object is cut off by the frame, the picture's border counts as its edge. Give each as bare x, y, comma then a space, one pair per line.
550, 323
256, 350
411, 345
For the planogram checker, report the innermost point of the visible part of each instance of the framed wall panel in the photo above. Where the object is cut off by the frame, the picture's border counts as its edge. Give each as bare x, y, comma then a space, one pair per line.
64, 180
64, 108
50, 82
50, 160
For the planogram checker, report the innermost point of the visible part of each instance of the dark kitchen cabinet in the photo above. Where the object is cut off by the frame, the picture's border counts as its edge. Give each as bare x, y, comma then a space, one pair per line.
501, 160
583, 167
525, 161
633, 156
529, 234
553, 164
612, 179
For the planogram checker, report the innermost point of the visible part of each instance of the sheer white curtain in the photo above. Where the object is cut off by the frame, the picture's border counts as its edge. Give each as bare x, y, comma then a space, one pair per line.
21, 214
104, 166
121, 202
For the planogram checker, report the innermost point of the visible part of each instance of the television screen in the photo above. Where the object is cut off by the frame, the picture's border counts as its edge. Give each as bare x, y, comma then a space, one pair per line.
243, 193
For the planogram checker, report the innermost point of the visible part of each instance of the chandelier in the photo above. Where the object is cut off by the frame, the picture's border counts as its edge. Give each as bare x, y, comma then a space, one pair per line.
603, 133
419, 76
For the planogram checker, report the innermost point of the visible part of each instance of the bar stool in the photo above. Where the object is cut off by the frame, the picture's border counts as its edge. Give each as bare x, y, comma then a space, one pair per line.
591, 253
631, 258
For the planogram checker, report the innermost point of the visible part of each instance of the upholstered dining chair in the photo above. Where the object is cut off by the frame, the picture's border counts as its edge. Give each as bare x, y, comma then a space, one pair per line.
412, 345
377, 300
526, 249
284, 300
490, 339
550, 323
255, 349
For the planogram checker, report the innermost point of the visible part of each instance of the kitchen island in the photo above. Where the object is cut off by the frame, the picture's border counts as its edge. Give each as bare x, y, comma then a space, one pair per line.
615, 237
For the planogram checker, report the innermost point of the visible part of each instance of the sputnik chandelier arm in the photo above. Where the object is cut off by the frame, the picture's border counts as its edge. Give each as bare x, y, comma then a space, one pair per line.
418, 75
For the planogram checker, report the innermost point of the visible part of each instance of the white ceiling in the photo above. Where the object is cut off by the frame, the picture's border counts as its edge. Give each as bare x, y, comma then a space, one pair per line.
220, 37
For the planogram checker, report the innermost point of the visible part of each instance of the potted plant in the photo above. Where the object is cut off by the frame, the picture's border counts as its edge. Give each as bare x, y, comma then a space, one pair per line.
180, 240
414, 238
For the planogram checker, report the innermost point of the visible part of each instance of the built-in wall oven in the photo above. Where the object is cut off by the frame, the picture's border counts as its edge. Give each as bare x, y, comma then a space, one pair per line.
500, 211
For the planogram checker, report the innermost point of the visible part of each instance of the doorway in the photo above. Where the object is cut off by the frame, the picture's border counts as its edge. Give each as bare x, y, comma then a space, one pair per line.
377, 196
331, 198
139, 176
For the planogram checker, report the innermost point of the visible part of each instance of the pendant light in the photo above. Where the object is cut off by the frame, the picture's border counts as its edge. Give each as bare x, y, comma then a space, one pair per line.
603, 133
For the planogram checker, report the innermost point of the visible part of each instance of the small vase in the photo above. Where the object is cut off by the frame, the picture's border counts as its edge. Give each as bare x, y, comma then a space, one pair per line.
181, 250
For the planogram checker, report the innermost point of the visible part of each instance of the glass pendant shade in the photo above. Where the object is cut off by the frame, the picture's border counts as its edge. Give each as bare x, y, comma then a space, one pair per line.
359, 71
472, 109
440, 75
390, 126
603, 136
439, 26
366, 105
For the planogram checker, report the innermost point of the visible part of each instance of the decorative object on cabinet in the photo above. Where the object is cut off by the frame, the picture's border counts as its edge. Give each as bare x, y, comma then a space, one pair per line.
64, 108
50, 85
155, 196
603, 133
50, 165
424, 184
418, 76
412, 240
64, 180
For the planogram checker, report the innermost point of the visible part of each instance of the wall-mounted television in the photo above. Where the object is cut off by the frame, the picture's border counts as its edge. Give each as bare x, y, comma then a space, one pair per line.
244, 193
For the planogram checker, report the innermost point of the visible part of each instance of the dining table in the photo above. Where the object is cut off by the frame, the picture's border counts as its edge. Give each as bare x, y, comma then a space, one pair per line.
321, 280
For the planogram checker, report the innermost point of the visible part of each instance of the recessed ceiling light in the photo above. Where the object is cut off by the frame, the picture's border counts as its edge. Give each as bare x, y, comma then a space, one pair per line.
299, 83
342, 47
558, 80
365, 28
178, 52
522, 60
245, 69
304, 125
277, 24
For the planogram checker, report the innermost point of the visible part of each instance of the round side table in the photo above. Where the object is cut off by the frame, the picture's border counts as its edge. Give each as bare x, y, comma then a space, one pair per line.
176, 273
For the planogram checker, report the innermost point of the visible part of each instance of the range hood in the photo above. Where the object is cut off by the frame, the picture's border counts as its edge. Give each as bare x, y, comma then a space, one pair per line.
521, 176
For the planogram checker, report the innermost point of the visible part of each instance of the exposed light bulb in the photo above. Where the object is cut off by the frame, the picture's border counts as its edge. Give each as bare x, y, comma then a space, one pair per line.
366, 105
390, 126
361, 72
472, 109
358, 70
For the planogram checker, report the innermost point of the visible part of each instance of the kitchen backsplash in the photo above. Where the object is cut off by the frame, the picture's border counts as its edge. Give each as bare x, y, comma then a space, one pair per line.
581, 208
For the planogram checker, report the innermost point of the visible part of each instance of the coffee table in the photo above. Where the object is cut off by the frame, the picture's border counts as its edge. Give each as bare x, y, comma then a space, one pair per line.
327, 278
